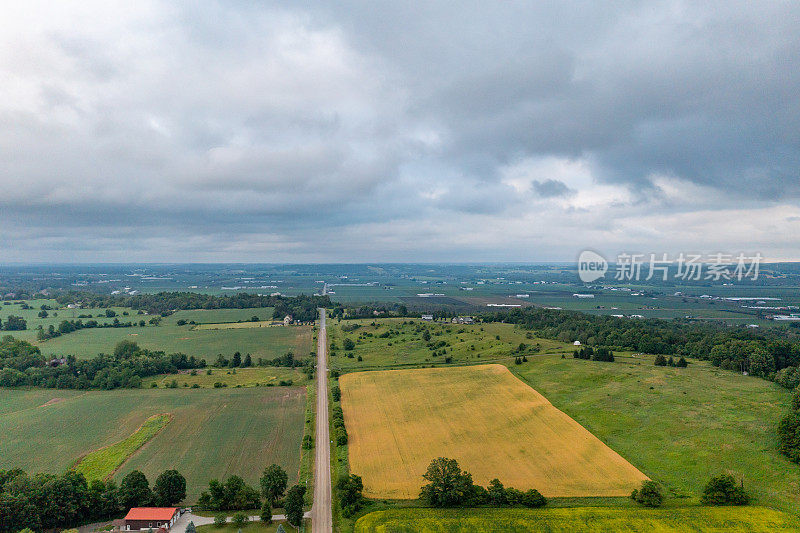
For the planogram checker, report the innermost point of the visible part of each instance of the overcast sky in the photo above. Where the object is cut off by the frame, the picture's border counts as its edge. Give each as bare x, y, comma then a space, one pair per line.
369, 131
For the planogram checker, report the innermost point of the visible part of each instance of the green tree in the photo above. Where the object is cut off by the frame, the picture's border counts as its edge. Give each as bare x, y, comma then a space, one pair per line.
190, 528
350, 490
533, 498
169, 488
294, 505
134, 491
789, 430
723, 490
348, 344
448, 486
497, 493
220, 520
266, 512
649, 494
273, 483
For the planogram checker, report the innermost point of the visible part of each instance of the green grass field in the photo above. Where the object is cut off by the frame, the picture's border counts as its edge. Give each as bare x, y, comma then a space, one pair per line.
240, 377
580, 519
214, 433
102, 463
467, 344
265, 342
678, 426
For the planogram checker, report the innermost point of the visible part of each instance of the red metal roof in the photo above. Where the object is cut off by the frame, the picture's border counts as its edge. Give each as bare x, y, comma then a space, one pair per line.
151, 513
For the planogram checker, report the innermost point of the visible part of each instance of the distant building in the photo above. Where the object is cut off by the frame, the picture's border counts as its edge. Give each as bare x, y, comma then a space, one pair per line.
576, 295
139, 518
576, 343
427, 317
463, 320
287, 320
57, 362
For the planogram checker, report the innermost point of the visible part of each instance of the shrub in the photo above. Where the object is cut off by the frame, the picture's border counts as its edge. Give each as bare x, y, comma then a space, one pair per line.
788, 377
220, 520
722, 490
649, 494
240, 519
682, 363
660, 360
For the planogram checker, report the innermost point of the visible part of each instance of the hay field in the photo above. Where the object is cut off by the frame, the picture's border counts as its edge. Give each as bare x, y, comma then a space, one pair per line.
483, 416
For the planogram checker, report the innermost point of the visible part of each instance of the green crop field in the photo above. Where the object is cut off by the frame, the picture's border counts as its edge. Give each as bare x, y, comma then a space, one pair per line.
405, 346
678, 426
579, 519
213, 433
102, 463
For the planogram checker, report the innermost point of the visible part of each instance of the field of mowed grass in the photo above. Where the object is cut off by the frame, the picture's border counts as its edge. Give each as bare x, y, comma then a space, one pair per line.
229, 377
102, 463
495, 425
241, 325
213, 433
403, 343
680, 426
578, 520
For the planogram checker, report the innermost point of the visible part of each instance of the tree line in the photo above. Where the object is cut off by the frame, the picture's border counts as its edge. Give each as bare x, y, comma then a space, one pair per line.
762, 353
302, 307
22, 364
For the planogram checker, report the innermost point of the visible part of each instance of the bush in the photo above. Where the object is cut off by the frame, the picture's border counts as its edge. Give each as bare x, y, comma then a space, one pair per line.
723, 490
240, 519
682, 363
660, 360
220, 520
649, 494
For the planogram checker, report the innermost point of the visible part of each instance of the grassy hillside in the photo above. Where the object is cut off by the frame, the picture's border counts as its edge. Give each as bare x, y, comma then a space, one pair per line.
405, 344
577, 520
678, 426
213, 433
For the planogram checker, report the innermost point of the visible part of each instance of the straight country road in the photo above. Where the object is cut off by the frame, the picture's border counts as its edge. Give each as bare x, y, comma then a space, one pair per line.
321, 511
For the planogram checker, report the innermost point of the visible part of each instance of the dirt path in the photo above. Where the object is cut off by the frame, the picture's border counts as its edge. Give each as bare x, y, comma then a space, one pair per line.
321, 512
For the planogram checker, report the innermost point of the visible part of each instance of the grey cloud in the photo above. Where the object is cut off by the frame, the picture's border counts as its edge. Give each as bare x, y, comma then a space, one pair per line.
237, 121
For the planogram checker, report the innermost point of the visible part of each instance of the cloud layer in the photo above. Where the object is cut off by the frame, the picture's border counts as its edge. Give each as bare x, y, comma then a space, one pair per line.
364, 131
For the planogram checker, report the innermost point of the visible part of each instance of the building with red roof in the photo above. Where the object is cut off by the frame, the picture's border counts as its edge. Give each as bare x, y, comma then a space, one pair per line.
151, 517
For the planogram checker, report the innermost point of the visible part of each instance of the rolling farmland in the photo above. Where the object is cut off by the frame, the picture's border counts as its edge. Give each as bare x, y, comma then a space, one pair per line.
490, 421
213, 433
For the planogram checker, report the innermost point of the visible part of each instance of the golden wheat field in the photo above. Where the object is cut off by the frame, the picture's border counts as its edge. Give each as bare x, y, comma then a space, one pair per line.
491, 422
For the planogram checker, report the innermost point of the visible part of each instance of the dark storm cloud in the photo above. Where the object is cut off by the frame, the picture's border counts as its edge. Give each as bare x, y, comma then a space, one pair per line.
388, 126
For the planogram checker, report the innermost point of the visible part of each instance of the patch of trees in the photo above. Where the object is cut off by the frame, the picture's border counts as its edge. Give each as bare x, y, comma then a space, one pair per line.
23, 365
449, 486
760, 352
723, 490
599, 354
303, 308
14, 323
68, 326
56, 501
370, 310
233, 494
349, 489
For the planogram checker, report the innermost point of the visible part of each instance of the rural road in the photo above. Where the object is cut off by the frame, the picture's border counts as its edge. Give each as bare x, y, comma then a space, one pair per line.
321, 512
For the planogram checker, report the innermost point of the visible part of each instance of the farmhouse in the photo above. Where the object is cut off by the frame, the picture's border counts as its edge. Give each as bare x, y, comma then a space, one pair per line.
139, 518
287, 320
427, 317
463, 320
